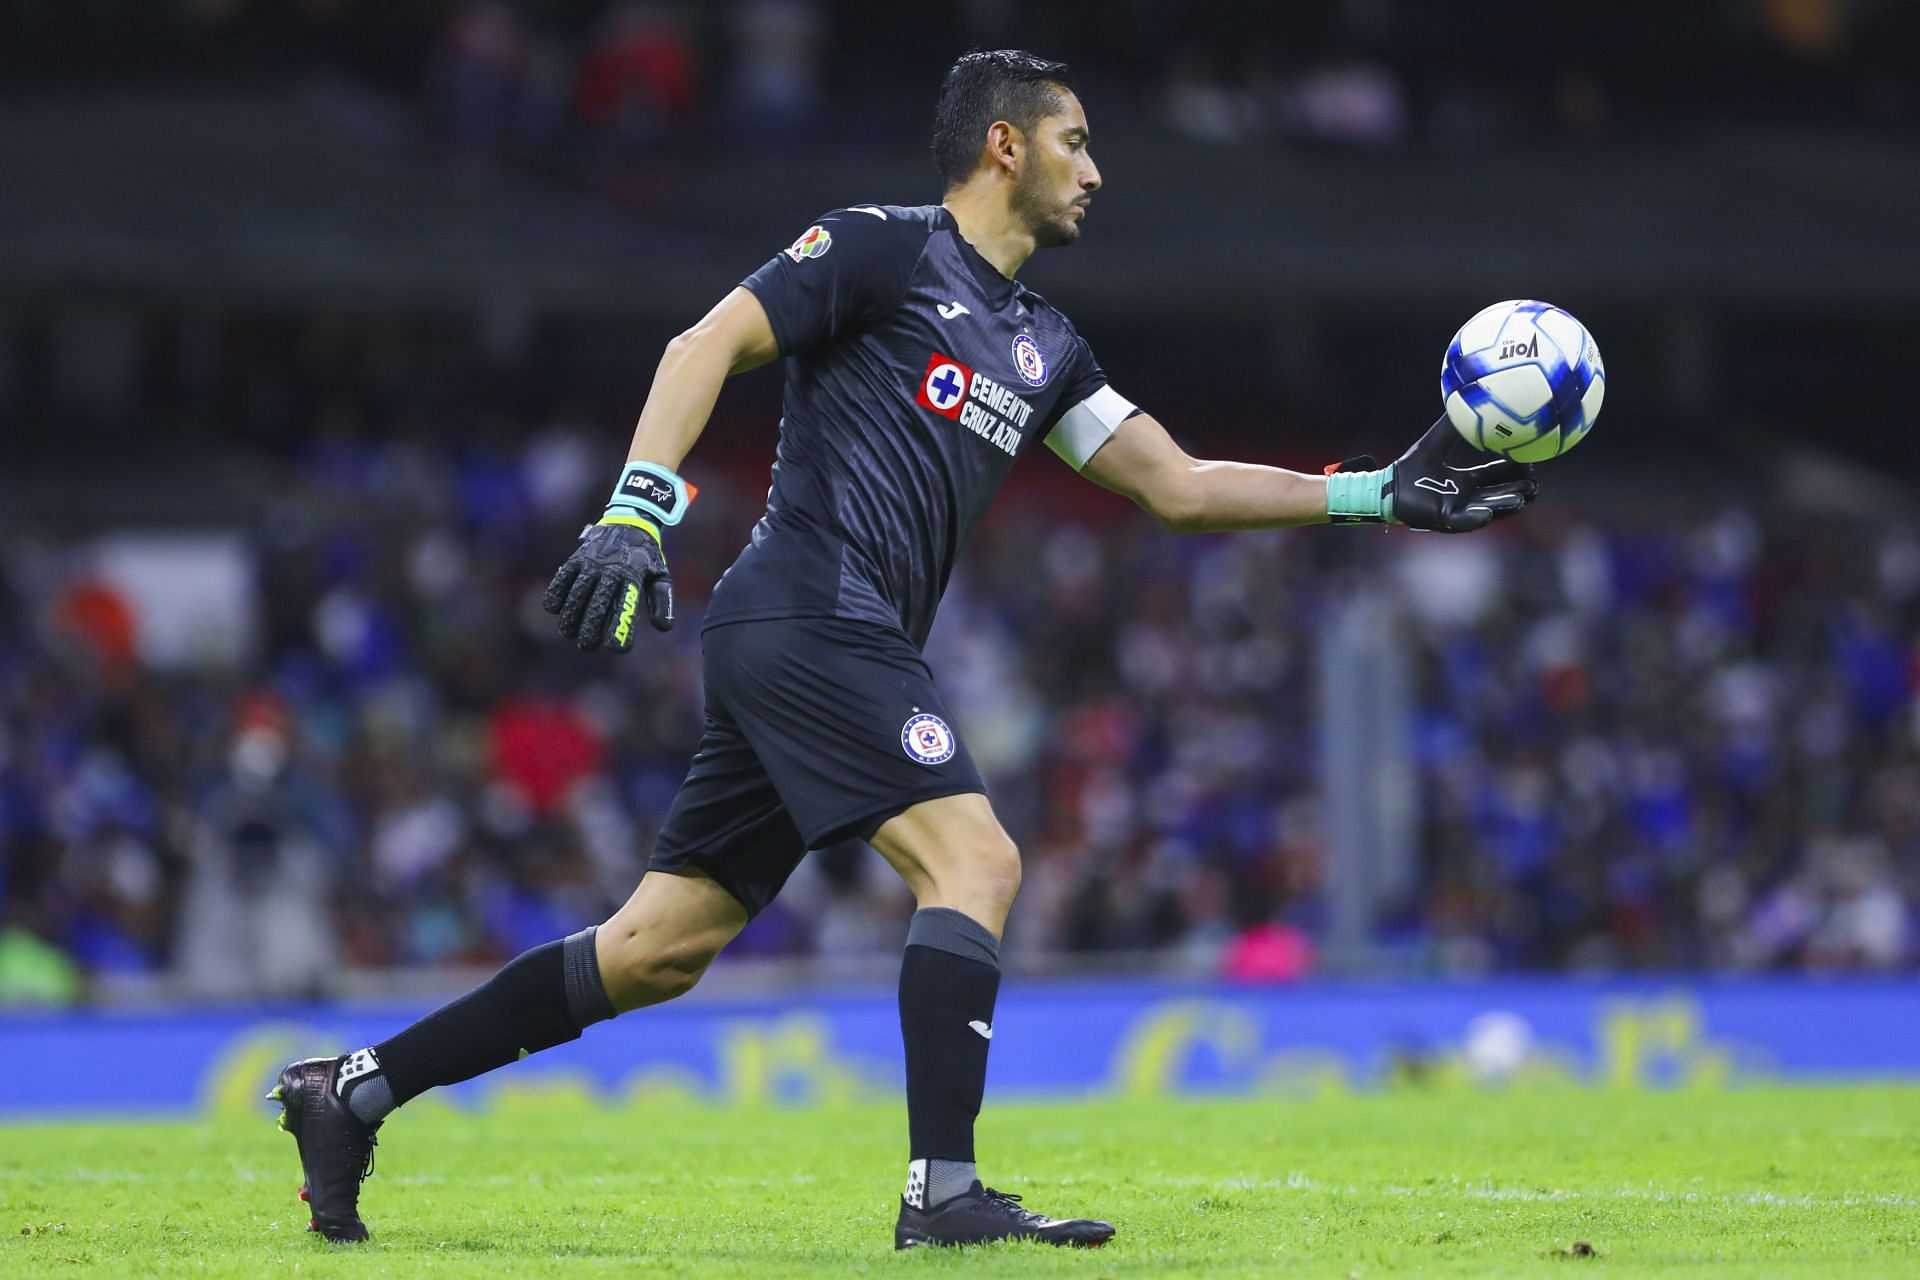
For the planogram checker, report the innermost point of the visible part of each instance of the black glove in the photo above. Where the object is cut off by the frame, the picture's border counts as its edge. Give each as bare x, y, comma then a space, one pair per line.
1422, 492
598, 591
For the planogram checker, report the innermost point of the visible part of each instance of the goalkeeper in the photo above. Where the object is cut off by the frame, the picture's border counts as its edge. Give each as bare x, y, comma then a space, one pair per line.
918, 371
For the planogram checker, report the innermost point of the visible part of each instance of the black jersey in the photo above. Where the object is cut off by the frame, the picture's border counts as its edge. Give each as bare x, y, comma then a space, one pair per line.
916, 375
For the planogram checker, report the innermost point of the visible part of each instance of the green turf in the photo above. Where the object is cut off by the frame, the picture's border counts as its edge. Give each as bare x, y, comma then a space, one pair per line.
1798, 1182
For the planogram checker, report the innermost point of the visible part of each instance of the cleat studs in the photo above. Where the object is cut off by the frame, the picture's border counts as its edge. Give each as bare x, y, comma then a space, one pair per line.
280, 1122
279, 1092
303, 1193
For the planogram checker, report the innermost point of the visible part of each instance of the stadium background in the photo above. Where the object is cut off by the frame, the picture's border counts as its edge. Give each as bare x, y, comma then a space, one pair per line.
323, 324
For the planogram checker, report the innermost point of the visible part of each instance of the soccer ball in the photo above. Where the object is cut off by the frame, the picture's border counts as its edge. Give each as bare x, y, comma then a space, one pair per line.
1524, 379
1497, 1045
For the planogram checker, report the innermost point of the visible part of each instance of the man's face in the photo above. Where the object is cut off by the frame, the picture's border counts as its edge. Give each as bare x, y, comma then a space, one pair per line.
1059, 178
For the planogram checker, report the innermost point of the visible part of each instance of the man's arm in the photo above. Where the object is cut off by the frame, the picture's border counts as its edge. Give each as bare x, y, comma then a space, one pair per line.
732, 338
1190, 495
849, 266
620, 566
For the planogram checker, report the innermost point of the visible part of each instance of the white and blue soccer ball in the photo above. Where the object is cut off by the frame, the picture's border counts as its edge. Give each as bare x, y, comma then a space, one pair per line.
1524, 379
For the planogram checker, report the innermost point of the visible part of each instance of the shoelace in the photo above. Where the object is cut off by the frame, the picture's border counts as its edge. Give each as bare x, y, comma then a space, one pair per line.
366, 1170
1012, 1204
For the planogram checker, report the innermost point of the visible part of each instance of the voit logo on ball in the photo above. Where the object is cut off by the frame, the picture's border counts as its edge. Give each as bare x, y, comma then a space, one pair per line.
927, 739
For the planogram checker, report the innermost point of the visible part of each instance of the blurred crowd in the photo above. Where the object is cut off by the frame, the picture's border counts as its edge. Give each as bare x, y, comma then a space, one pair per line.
1659, 740
598, 83
331, 730
506, 78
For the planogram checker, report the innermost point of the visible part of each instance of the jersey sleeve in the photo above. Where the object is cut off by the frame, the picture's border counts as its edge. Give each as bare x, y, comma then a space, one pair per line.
849, 267
1088, 411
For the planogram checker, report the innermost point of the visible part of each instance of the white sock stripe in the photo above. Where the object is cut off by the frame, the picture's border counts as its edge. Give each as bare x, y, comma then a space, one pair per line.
359, 1063
916, 1192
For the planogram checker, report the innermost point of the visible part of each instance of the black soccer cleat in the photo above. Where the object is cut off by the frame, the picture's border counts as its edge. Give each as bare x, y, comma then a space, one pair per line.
981, 1215
336, 1148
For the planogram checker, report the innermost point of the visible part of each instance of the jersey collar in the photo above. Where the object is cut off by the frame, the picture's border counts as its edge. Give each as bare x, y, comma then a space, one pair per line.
996, 286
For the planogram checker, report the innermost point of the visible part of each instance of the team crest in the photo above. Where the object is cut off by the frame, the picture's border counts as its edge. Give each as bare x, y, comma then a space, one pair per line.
1028, 360
811, 244
943, 386
927, 739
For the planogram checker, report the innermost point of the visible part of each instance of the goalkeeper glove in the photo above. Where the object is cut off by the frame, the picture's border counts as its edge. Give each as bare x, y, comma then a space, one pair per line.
1422, 492
620, 567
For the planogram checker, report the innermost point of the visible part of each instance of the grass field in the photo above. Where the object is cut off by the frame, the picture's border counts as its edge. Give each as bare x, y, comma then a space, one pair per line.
1803, 1182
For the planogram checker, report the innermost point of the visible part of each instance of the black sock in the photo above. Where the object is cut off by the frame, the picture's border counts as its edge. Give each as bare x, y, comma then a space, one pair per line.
948, 982
544, 997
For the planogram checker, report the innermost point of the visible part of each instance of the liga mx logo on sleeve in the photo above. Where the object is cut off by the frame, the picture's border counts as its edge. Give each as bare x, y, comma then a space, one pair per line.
813, 242
1028, 360
927, 739
943, 387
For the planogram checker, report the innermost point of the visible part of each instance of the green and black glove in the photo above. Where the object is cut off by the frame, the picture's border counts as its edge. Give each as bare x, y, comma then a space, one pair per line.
620, 566
1422, 492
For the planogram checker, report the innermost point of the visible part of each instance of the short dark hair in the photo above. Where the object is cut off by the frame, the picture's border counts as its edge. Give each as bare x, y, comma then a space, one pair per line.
987, 85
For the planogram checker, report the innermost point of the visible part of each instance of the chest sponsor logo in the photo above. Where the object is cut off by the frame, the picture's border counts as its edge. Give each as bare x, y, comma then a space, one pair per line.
813, 242
1028, 360
991, 411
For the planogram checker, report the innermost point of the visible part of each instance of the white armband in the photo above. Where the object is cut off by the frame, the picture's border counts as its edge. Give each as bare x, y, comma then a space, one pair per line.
1088, 425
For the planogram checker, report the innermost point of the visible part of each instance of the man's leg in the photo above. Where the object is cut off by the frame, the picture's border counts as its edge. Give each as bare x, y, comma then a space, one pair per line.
844, 720
652, 949
964, 872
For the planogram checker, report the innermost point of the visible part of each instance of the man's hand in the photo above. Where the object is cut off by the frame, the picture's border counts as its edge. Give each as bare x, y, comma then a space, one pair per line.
618, 570
1422, 492
1429, 494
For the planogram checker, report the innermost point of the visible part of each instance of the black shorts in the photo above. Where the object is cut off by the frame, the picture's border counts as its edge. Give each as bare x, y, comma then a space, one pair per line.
817, 730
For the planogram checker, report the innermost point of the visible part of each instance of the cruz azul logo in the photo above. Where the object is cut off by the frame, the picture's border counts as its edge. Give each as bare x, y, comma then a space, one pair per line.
944, 386
1028, 360
927, 739
975, 401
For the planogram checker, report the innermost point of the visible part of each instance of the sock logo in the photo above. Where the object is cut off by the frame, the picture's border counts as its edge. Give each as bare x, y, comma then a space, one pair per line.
359, 1063
984, 1028
916, 1192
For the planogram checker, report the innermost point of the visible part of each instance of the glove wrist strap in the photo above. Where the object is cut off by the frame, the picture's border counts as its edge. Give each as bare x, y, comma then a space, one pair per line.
619, 515
1360, 497
649, 492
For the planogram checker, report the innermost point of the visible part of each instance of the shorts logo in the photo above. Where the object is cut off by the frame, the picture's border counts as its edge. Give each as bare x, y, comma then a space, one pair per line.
813, 242
1028, 360
943, 387
927, 739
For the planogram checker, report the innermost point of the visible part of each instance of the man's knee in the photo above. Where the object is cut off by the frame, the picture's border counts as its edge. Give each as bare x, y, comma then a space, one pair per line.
995, 867
954, 853
641, 970
980, 869
658, 945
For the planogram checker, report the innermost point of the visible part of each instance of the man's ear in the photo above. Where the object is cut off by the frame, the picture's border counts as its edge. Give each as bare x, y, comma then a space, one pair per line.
1004, 143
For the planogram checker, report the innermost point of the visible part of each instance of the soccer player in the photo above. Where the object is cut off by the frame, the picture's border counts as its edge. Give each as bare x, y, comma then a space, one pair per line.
918, 371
